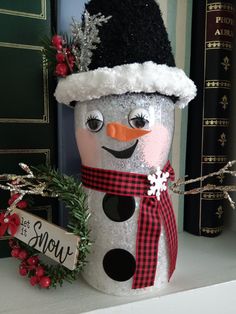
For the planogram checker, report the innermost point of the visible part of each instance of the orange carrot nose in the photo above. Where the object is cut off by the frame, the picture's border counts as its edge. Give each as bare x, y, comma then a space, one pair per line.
123, 133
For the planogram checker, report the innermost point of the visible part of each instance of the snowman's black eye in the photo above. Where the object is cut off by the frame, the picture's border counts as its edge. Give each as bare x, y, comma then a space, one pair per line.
138, 122
94, 124
94, 121
139, 119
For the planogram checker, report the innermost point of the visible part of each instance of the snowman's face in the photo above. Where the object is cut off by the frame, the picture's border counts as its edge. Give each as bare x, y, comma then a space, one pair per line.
131, 132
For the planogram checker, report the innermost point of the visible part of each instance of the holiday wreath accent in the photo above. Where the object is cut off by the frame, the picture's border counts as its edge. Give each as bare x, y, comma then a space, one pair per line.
45, 182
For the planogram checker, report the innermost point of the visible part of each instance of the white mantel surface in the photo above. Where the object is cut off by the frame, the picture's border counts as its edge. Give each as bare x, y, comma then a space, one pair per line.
204, 282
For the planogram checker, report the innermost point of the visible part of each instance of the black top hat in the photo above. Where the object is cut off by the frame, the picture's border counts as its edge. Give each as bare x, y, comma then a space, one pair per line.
134, 55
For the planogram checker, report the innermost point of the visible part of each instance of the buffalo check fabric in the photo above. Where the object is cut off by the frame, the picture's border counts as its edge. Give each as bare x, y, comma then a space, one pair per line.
152, 213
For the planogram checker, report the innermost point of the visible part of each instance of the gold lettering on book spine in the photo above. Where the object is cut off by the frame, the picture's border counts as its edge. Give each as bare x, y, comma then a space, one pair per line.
213, 159
216, 44
224, 20
224, 102
222, 140
219, 6
209, 196
226, 63
214, 122
212, 230
217, 84
219, 212
224, 32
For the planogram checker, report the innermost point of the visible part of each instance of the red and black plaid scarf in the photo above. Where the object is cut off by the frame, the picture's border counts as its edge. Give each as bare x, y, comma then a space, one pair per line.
152, 212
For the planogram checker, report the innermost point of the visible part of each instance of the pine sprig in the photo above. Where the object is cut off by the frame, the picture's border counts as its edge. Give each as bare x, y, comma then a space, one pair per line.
71, 193
86, 38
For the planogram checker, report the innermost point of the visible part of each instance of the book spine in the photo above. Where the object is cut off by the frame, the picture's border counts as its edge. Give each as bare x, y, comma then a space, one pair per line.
208, 133
27, 111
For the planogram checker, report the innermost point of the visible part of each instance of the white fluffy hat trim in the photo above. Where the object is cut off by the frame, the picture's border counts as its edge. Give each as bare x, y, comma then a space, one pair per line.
148, 77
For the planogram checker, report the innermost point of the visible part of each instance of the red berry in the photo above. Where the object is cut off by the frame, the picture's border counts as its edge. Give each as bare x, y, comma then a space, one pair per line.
23, 254
13, 198
60, 57
57, 41
61, 69
45, 282
15, 252
23, 271
34, 280
40, 271
22, 205
33, 260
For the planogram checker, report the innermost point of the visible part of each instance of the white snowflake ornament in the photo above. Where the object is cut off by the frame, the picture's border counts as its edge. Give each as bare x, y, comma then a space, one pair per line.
157, 182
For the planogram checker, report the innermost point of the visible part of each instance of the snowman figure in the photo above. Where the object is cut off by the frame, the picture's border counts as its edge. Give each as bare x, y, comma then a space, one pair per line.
124, 124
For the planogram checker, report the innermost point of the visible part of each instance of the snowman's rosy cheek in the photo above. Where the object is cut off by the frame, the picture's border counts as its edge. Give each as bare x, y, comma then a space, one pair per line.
88, 146
156, 146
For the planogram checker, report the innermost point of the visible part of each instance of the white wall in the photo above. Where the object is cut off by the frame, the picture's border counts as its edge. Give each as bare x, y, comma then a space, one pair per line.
177, 15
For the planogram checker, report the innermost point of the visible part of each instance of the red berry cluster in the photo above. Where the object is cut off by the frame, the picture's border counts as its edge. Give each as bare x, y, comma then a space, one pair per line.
64, 57
30, 266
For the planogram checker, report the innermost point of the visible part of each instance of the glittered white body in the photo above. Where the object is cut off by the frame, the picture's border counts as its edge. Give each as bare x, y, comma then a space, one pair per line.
150, 153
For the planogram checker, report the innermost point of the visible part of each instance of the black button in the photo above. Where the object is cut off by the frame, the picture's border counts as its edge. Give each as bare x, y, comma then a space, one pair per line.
118, 208
119, 264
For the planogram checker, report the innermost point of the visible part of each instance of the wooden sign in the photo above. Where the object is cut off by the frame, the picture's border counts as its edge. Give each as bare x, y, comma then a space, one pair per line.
48, 239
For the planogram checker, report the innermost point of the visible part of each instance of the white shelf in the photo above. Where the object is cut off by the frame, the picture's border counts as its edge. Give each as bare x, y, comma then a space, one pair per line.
205, 280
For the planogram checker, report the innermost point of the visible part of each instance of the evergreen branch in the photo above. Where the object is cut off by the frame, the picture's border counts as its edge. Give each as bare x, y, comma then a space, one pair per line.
46, 181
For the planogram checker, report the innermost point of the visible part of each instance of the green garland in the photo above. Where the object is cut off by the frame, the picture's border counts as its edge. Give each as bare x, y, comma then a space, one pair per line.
71, 193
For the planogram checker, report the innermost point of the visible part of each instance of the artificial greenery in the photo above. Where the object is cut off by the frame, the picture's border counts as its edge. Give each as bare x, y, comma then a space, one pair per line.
71, 193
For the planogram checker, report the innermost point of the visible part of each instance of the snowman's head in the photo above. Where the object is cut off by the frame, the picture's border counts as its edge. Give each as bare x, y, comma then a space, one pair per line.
130, 132
122, 64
